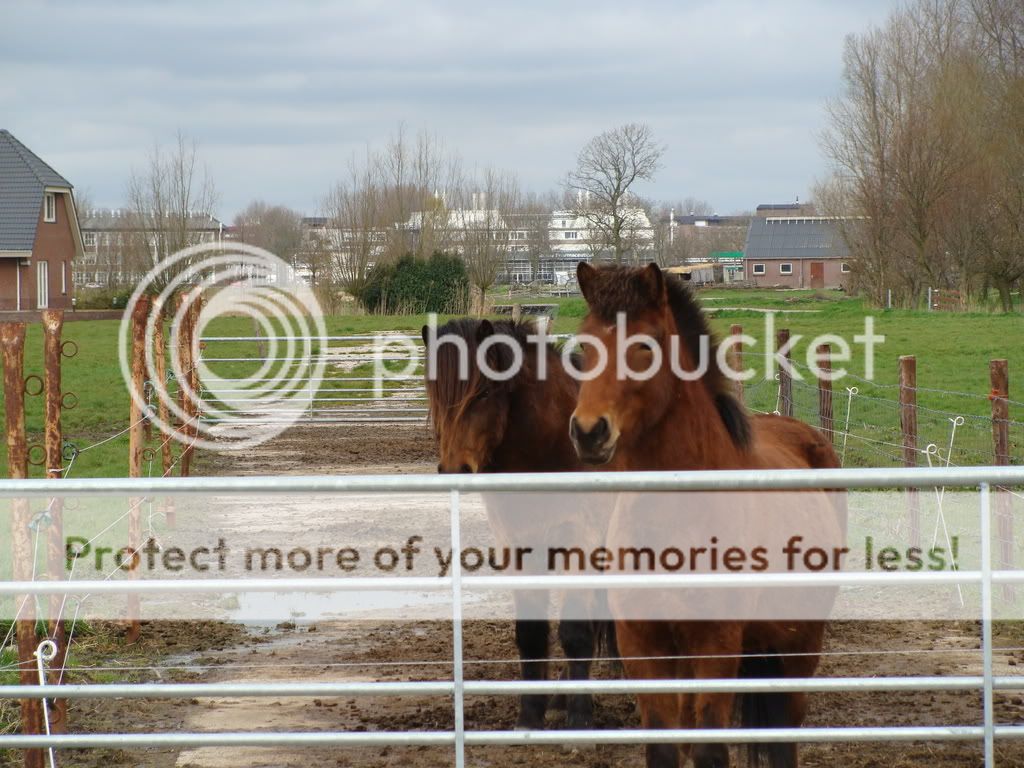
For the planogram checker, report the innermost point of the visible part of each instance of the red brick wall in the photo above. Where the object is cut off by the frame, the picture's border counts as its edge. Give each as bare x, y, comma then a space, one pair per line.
801, 277
9, 283
54, 244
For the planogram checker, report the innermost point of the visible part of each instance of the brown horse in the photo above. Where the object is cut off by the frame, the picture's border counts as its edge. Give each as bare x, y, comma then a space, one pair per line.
485, 424
671, 422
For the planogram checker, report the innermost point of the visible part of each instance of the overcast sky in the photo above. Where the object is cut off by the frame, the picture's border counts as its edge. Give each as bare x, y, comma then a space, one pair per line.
279, 96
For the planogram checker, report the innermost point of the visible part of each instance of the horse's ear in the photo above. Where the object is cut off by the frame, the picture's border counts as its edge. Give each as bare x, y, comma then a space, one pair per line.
425, 333
585, 275
654, 279
485, 329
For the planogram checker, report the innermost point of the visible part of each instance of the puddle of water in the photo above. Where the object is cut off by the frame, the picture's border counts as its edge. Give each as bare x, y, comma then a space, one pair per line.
275, 607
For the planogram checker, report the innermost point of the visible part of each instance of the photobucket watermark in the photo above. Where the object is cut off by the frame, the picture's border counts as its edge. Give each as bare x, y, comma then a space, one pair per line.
501, 356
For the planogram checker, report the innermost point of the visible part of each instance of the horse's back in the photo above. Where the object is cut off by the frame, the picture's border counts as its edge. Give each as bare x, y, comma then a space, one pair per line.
781, 442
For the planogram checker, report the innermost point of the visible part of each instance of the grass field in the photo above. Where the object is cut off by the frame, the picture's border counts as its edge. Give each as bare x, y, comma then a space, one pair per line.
953, 352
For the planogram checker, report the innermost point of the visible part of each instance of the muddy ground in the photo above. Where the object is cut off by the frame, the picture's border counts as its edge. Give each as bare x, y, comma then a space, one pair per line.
364, 650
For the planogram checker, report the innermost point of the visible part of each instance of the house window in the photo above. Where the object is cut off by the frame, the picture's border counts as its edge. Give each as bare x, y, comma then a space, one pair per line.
759, 269
49, 207
786, 269
571, 235
844, 267
42, 284
89, 240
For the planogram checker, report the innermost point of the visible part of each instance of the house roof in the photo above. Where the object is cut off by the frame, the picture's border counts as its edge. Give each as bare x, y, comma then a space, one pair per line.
124, 219
794, 238
23, 178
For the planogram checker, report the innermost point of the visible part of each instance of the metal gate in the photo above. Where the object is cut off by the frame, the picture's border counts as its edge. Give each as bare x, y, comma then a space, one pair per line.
456, 584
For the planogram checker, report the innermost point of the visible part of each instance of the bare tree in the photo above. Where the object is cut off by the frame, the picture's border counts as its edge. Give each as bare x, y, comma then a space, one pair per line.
606, 169
483, 228
358, 222
168, 197
275, 228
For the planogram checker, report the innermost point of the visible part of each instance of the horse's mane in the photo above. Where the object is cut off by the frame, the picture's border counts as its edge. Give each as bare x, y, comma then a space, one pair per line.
449, 393
624, 289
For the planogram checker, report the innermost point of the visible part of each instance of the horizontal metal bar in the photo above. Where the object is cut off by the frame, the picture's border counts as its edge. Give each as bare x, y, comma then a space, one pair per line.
383, 377
484, 738
505, 583
346, 390
507, 688
367, 337
305, 420
327, 358
712, 480
298, 396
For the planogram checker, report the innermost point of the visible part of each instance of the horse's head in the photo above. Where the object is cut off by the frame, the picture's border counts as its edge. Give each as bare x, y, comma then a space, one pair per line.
612, 404
469, 407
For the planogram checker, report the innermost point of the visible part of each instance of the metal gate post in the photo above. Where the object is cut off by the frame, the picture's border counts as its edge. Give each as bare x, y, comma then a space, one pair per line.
986, 622
457, 672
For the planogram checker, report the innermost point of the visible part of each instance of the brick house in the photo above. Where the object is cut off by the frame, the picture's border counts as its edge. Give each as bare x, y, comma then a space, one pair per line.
796, 252
39, 235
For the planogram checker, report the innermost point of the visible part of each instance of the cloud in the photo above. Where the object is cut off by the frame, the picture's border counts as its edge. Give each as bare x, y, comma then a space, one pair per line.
279, 95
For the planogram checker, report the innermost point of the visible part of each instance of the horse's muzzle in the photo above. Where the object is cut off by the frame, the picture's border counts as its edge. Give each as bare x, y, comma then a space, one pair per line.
595, 445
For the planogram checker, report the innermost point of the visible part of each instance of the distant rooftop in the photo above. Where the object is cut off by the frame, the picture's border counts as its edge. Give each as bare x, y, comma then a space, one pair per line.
797, 237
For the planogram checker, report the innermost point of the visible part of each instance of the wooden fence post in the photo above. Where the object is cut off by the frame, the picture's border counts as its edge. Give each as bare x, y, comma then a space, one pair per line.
785, 380
737, 358
908, 432
163, 412
12, 341
186, 360
136, 446
825, 391
53, 324
1000, 378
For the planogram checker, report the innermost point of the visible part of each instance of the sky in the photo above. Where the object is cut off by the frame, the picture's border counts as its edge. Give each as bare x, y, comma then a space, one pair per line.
280, 96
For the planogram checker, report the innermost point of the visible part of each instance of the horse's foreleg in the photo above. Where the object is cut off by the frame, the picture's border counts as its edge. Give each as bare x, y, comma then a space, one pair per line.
577, 638
714, 710
532, 642
640, 643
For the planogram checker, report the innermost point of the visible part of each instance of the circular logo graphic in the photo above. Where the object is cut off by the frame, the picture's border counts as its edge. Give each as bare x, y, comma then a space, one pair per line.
248, 385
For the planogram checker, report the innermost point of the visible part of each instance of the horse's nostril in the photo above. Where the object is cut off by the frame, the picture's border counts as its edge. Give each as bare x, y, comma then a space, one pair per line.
440, 468
466, 469
600, 430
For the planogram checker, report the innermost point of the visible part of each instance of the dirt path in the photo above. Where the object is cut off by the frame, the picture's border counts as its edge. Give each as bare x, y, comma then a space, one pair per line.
363, 650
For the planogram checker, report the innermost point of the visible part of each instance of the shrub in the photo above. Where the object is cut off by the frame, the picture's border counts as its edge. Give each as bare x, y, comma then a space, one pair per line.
415, 286
102, 298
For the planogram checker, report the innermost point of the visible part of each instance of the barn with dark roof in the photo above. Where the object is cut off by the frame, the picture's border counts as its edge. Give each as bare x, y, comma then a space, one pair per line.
796, 252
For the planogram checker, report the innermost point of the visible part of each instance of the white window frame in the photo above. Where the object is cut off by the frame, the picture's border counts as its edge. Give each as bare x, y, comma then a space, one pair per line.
49, 207
42, 284
63, 278
845, 268
786, 268
758, 269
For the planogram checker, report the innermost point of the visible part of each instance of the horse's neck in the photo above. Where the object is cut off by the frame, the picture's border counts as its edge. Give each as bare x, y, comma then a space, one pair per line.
537, 436
690, 435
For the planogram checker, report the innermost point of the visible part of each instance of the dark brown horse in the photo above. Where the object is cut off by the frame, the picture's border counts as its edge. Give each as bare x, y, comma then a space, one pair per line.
672, 422
485, 424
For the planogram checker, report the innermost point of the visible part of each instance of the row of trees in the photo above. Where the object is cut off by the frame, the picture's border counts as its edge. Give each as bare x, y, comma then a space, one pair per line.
927, 144
413, 197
